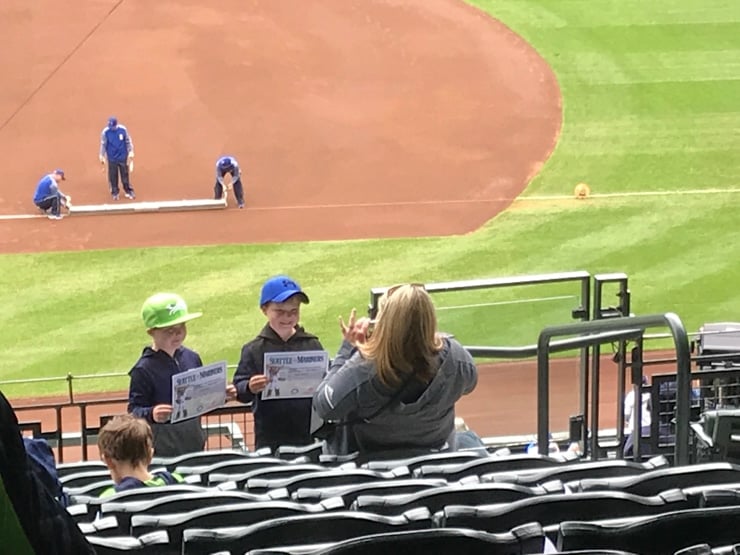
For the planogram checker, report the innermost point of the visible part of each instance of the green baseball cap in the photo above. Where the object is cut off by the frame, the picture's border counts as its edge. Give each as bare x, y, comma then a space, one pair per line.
166, 309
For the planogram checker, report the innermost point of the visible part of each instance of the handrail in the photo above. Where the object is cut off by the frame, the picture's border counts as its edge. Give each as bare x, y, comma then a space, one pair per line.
683, 378
527, 351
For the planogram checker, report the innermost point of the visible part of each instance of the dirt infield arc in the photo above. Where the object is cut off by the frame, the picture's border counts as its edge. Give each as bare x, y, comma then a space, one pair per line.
352, 118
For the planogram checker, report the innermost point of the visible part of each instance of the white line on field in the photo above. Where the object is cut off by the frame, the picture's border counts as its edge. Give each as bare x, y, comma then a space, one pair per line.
7, 217
500, 303
712, 191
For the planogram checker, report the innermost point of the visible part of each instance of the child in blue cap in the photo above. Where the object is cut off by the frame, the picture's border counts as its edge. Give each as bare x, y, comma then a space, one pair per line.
277, 421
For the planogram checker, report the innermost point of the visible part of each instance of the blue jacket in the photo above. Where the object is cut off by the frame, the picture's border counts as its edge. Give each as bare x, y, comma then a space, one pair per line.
151, 384
116, 144
235, 172
47, 187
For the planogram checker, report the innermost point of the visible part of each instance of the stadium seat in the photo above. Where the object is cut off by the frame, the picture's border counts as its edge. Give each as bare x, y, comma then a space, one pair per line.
484, 465
273, 472
312, 452
201, 458
139, 494
719, 498
325, 478
527, 539
89, 490
580, 471
151, 544
330, 460
81, 479
699, 549
350, 492
304, 529
214, 515
435, 499
235, 466
63, 469
103, 527
652, 483
124, 510
658, 535
429, 459
553, 509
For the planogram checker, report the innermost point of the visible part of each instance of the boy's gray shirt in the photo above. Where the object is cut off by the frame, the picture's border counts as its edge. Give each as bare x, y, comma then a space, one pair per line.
352, 391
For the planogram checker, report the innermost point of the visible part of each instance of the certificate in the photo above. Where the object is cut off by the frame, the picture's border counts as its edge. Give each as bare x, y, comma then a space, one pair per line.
294, 375
198, 391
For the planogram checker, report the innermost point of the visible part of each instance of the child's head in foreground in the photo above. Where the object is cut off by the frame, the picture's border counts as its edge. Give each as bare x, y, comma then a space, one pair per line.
165, 315
280, 301
126, 440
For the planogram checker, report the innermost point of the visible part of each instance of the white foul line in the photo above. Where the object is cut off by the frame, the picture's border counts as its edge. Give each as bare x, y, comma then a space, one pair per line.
713, 191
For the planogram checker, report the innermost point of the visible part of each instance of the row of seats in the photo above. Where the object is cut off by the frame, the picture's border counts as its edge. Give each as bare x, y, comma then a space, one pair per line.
300, 498
655, 535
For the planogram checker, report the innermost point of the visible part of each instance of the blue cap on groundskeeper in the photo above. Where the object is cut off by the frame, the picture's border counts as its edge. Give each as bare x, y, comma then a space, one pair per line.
112, 121
279, 289
60, 173
226, 162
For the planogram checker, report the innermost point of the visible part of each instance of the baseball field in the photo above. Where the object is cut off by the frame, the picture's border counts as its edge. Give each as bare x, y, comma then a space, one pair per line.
382, 142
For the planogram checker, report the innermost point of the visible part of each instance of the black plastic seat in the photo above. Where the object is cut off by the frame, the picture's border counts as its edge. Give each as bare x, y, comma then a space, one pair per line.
64, 469
445, 541
239, 514
350, 492
92, 489
202, 458
553, 509
232, 466
311, 452
80, 479
652, 483
139, 494
485, 465
152, 544
579, 471
429, 459
273, 472
325, 478
295, 530
123, 511
658, 535
435, 499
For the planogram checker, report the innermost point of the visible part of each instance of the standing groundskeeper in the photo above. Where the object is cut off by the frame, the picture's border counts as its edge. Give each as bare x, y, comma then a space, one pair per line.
117, 149
228, 165
49, 197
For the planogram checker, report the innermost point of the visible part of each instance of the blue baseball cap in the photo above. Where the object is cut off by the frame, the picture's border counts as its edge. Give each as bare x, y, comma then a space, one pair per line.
112, 121
226, 162
60, 173
279, 289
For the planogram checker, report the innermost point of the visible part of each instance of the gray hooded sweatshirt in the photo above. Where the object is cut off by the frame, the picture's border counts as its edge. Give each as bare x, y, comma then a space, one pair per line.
351, 391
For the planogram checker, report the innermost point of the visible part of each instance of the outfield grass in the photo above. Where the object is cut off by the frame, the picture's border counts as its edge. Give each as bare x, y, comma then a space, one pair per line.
651, 103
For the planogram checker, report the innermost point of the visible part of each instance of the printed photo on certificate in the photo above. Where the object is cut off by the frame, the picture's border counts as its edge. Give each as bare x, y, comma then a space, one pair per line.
294, 375
198, 391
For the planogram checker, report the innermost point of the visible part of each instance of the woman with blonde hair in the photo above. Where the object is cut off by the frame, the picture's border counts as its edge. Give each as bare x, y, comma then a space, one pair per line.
395, 381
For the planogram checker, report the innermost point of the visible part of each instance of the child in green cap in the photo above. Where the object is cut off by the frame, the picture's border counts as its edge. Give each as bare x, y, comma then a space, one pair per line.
150, 390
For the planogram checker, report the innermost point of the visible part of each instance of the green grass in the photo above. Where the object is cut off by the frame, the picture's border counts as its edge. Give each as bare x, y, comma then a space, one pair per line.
651, 102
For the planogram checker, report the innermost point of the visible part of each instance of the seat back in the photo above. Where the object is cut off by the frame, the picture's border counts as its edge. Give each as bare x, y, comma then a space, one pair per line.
213, 516
123, 511
553, 509
659, 535
305, 529
350, 492
525, 539
435, 499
